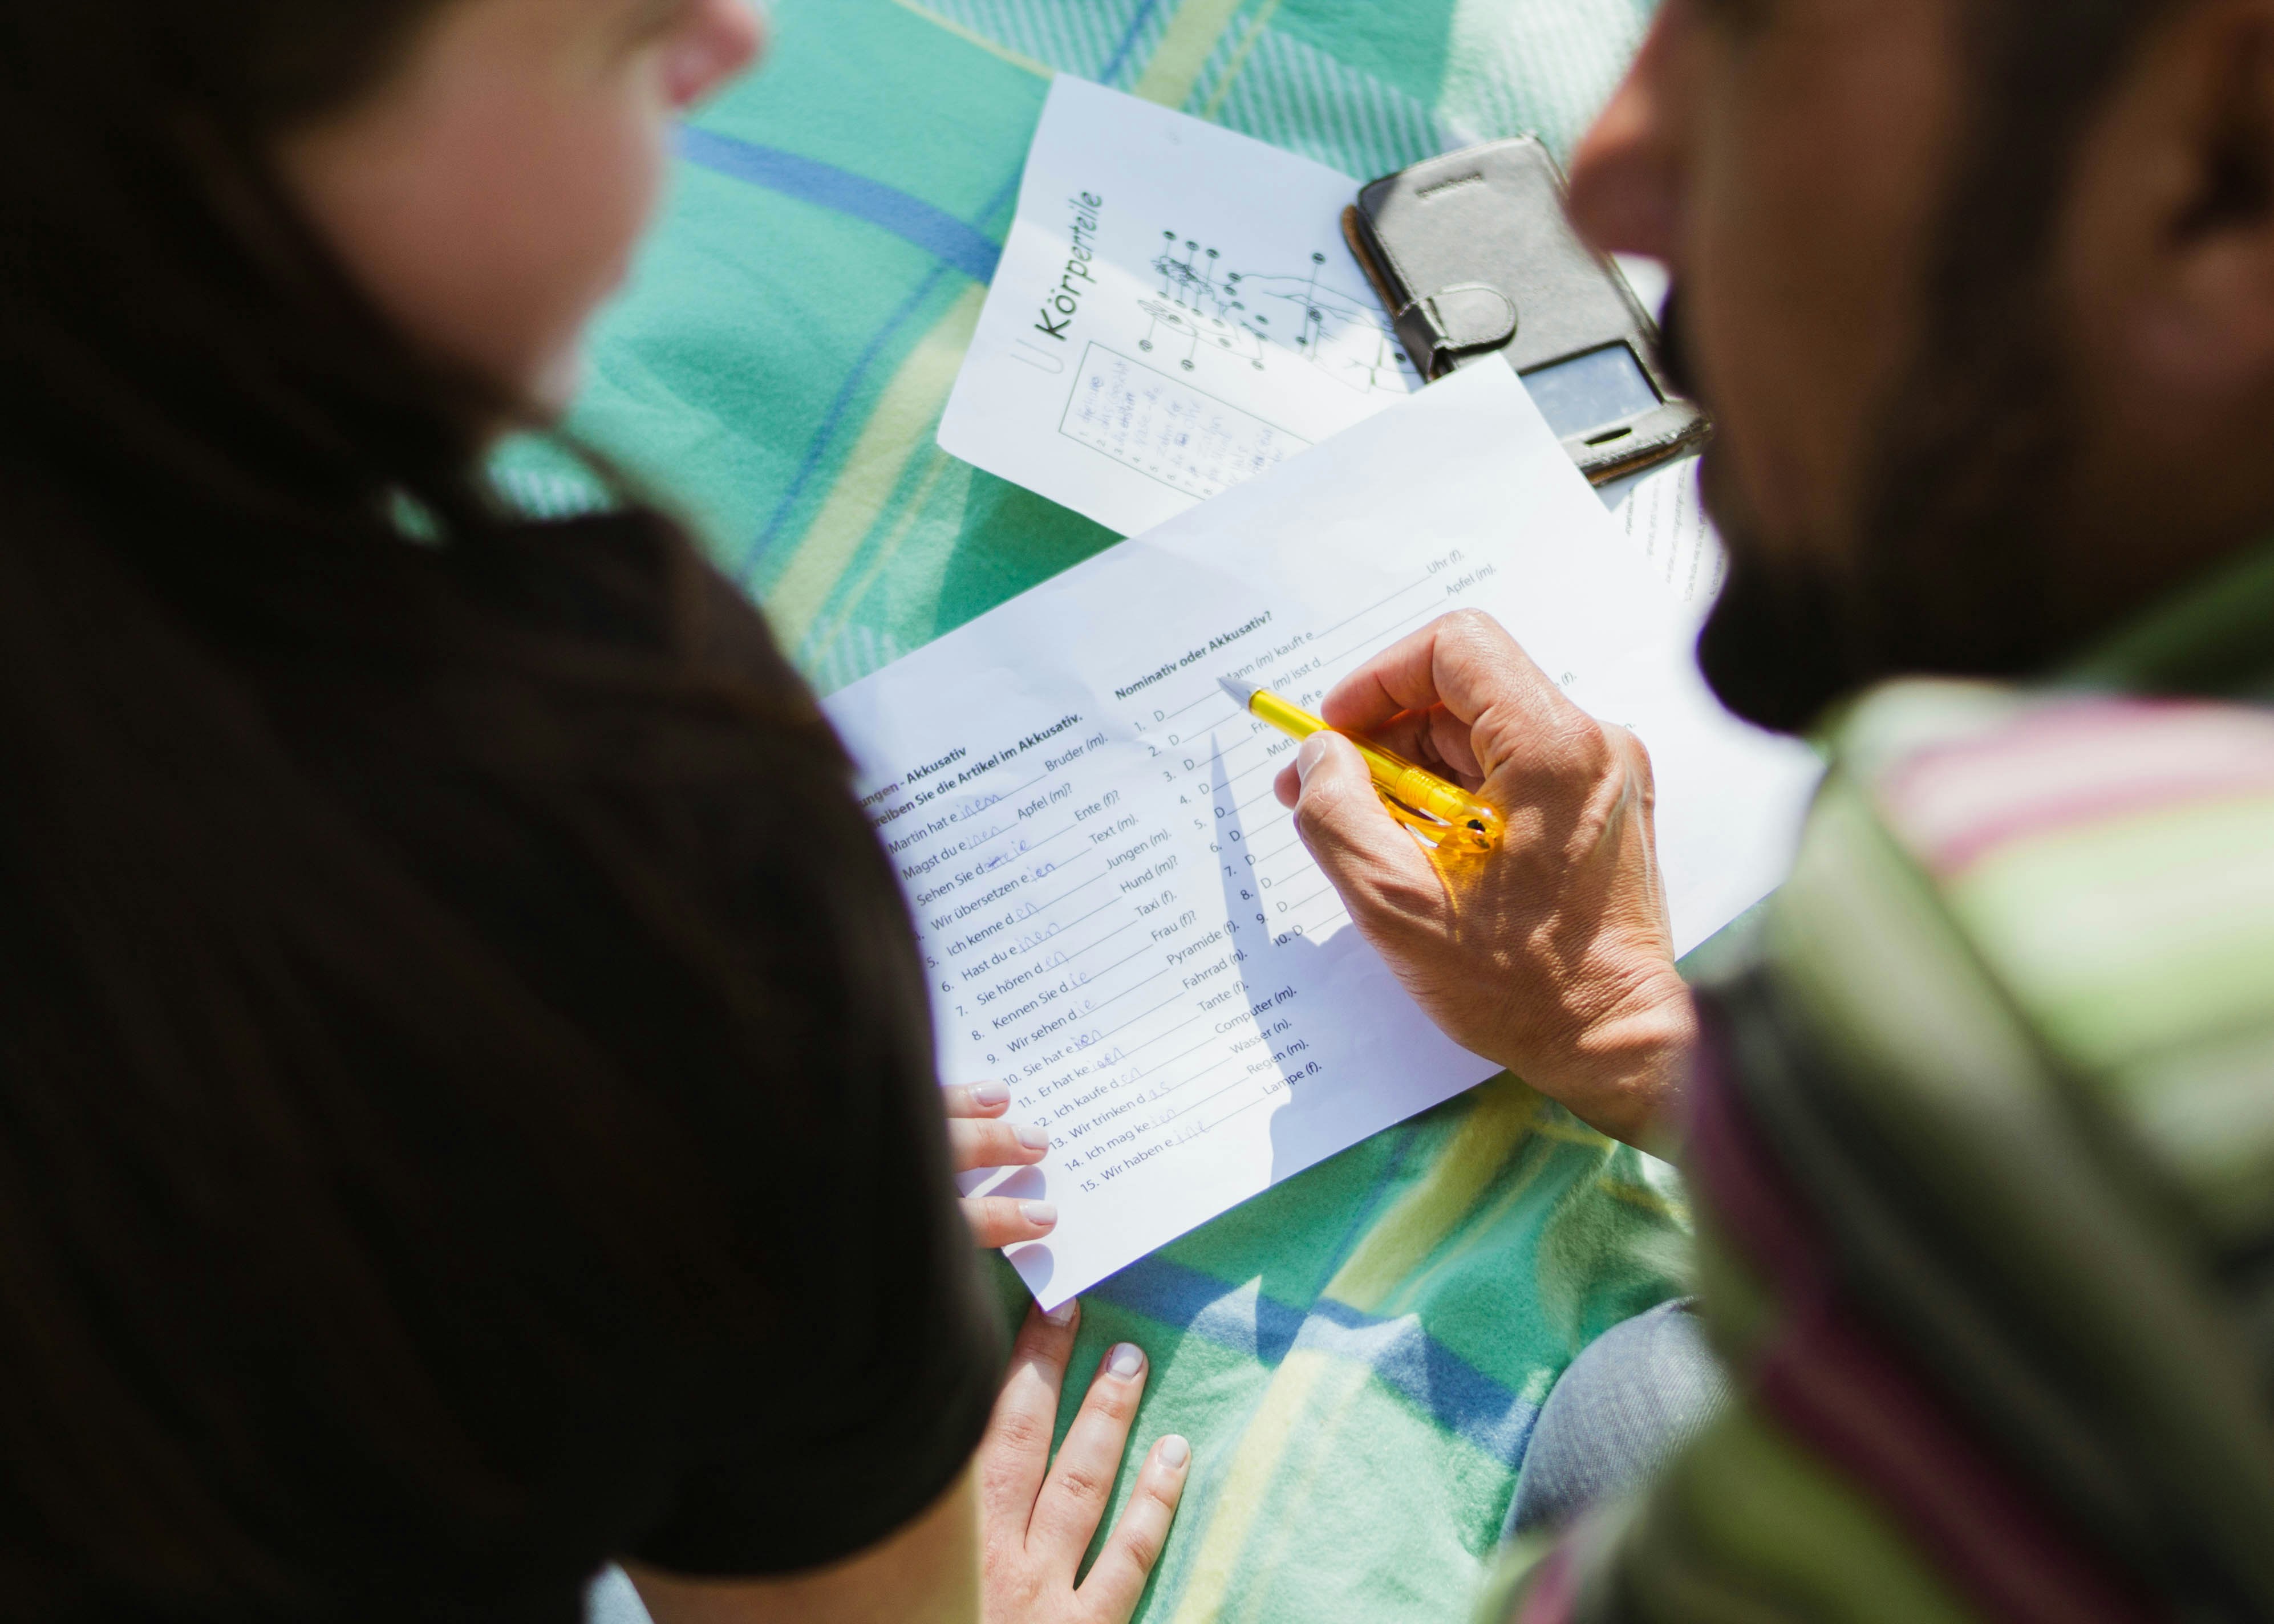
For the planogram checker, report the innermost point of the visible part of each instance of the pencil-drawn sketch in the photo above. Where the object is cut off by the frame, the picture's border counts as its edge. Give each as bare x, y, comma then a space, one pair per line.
1202, 307
1167, 428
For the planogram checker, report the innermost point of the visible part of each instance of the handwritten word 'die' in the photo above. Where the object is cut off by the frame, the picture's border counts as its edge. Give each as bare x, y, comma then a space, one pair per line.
1066, 301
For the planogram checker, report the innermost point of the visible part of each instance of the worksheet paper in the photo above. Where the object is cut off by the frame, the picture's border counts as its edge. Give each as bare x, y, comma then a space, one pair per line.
1115, 914
1175, 312
1664, 517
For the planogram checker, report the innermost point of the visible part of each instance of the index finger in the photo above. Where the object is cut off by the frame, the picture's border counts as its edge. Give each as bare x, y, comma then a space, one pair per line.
1016, 1449
961, 1100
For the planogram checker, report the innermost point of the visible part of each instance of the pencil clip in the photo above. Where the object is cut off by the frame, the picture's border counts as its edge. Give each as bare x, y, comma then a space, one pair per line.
1431, 830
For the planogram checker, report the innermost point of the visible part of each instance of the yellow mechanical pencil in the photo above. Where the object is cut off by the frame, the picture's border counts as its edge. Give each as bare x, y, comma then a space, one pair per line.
1444, 814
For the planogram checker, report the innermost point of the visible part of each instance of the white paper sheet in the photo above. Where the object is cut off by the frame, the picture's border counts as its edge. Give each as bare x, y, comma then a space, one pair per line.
1175, 312
1665, 517
1116, 913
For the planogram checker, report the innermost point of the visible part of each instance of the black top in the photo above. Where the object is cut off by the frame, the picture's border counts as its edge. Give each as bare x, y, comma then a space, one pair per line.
865, 1398
630, 832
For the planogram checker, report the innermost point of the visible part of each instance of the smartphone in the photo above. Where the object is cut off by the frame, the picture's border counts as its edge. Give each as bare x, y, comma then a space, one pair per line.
1474, 258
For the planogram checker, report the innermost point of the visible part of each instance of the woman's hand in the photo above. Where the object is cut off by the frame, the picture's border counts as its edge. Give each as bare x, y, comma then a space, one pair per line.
978, 1138
1037, 1516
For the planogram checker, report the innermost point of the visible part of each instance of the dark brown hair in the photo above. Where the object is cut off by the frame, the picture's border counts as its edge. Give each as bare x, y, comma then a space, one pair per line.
293, 1136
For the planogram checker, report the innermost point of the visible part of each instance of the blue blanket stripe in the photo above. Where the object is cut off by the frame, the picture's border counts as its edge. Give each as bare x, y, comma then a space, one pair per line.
1455, 1395
770, 533
910, 218
958, 246
1110, 73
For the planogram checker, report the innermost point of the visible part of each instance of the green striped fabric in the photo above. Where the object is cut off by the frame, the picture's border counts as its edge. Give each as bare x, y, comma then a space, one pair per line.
1986, 1172
1359, 1355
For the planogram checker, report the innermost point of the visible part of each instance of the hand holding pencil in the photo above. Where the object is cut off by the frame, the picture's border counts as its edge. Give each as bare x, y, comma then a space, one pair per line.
1549, 952
1445, 815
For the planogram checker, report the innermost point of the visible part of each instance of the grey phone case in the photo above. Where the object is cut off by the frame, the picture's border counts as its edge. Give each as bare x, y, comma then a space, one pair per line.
1474, 256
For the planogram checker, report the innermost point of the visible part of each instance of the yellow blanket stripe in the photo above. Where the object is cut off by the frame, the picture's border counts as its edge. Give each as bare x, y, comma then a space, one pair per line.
1186, 44
1501, 1119
1239, 62
1245, 1490
970, 36
899, 428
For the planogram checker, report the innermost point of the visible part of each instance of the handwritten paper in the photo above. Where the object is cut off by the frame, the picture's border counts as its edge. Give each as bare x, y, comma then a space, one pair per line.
1115, 913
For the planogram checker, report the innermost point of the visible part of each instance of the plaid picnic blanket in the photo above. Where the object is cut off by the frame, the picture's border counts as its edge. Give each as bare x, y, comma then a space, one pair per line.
1358, 1355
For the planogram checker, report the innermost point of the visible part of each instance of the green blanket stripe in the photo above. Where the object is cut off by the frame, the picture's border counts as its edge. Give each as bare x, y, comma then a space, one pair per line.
1358, 1355
1512, 1236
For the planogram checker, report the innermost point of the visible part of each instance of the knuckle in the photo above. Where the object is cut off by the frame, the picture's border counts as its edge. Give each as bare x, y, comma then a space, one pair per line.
1636, 754
1080, 1483
999, 1481
1579, 755
1163, 1494
1021, 1433
1143, 1546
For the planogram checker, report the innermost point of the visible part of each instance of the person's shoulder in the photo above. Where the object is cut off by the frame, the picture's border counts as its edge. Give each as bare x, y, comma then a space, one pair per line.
634, 576
2037, 878
2091, 847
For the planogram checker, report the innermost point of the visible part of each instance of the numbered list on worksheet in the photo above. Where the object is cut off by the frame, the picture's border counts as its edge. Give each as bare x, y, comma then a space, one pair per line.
1117, 916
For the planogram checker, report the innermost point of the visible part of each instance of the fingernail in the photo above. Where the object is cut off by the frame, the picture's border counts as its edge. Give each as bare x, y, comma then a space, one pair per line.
1042, 1214
1307, 758
1127, 1361
1175, 1452
1032, 1137
1063, 1313
991, 1094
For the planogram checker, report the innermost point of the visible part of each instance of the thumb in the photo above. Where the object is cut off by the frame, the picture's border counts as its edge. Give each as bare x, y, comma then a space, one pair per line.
1363, 850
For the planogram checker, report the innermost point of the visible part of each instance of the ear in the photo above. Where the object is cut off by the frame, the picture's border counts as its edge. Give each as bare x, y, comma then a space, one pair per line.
2172, 242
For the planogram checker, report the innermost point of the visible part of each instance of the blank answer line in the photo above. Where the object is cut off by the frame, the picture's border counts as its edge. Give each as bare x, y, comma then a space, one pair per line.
1101, 941
1329, 631
1166, 1031
1117, 963
1023, 788
1323, 891
1194, 1078
1260, 1099
1203, 699
1275, 759
1377, 637
1124, 992
1197, 1104
1077, 891
1180, 1054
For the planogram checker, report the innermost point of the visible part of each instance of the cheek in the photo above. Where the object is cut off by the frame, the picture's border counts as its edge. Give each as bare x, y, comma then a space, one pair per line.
567, 206
492, 232
1814, 188
606, 179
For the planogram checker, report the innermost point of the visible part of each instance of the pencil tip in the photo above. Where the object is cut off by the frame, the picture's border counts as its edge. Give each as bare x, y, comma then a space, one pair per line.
1240, 692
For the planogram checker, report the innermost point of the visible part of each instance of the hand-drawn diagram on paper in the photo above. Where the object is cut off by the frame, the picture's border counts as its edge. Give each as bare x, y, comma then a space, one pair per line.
1175, 312
1167, 429
1205, 308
